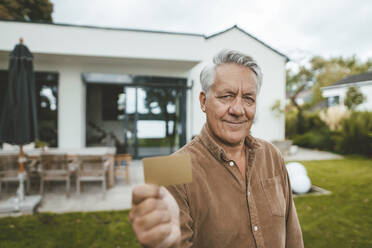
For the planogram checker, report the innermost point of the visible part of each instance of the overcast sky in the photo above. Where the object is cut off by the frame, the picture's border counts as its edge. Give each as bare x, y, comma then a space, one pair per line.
297, 28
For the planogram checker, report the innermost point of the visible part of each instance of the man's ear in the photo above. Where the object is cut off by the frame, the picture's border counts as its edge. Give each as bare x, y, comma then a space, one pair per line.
202, 99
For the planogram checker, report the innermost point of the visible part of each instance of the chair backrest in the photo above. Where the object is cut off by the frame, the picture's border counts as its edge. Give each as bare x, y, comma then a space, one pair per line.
120, 158
54, 162
91, 163
9, 163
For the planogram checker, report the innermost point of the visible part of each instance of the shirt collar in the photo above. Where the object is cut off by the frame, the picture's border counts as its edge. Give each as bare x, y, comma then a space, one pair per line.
217, 151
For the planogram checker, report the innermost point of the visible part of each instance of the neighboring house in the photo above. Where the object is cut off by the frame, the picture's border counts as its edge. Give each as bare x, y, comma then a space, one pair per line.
336, 93
104, 86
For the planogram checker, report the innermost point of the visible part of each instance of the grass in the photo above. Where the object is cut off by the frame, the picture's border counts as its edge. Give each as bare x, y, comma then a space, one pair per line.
94, 229
342, 219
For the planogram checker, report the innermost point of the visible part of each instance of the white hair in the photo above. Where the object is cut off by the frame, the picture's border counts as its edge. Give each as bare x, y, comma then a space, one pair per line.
225, 56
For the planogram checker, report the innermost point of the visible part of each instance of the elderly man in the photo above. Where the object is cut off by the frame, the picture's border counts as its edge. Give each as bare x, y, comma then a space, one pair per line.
240, 195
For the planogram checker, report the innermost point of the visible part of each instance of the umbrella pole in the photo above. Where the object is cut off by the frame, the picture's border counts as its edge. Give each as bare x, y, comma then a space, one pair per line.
20, 191
21, 159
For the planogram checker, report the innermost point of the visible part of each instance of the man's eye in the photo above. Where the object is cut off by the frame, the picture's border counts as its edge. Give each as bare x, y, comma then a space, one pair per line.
226, 96
249, 100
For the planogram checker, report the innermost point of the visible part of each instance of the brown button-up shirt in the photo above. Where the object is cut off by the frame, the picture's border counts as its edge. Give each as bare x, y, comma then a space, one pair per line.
220, 208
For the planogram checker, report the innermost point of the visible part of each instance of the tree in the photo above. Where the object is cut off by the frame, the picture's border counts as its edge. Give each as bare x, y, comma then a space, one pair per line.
353, 98
316, 73
26, 10
296, 83
329, 71
319, 72
160, 98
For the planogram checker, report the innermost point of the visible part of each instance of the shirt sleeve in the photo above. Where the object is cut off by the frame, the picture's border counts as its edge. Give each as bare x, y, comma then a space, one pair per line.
179, 193
293, 228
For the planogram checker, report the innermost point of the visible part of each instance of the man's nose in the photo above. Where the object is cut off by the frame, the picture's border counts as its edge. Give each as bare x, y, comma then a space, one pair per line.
236, 107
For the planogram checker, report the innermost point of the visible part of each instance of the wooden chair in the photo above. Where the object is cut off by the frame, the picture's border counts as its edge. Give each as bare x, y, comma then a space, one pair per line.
55, 167
9, 169
122, 162
92, 168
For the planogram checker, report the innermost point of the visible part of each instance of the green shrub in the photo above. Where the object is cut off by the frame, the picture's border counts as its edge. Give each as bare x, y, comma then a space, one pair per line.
290, 124
312, 121
321, 139
356, 134
309, 121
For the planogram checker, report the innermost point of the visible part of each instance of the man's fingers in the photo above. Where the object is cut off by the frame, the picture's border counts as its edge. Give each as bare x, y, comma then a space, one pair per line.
148, 205
154, 216
151, 220
144, 191
155, 235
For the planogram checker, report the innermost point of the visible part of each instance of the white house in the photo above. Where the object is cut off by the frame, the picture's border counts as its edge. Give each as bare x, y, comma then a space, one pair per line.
98, 86
336, 93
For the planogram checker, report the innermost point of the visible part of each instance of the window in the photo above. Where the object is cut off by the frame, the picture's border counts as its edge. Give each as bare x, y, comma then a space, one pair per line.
333, 100
112, 102
140, 115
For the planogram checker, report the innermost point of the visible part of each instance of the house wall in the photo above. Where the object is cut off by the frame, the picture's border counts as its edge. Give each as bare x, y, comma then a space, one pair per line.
367, 91
364, 87
72, 91
71, 51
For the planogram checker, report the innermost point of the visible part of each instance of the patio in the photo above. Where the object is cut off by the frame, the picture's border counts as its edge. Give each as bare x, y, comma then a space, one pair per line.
117, 197
90, 199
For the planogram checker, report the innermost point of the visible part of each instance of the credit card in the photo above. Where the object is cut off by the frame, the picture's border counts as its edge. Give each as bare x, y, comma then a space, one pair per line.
167, 170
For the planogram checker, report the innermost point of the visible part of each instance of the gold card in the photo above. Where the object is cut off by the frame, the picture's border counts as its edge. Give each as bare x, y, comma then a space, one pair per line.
168, 170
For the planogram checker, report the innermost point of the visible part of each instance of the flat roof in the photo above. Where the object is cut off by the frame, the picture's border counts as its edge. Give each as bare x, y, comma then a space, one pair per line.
154, 31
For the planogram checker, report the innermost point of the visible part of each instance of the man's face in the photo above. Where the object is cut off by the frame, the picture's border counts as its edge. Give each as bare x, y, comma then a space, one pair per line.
230, 104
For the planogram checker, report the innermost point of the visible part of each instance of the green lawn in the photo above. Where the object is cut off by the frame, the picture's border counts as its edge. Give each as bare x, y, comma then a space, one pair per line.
94, 229
343, 219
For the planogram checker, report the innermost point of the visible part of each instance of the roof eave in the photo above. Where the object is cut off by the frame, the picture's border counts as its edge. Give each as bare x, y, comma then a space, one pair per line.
107, 28
361, 83
287, 59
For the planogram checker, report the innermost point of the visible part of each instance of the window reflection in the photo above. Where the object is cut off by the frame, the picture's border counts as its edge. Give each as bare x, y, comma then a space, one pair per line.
112, 102
46, 85
333, 100
105, 114
157, 130
142, 121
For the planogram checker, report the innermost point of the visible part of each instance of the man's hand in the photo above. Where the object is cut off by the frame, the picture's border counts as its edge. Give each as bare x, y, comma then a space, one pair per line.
155, 217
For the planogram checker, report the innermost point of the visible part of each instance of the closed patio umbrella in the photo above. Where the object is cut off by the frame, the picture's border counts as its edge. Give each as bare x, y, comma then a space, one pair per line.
18, 124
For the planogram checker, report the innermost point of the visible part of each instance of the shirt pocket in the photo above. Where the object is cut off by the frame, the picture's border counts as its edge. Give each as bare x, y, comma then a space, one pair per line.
274, 194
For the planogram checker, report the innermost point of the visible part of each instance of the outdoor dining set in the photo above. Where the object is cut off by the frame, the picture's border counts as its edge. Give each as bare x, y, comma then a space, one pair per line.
41, 166
66, 166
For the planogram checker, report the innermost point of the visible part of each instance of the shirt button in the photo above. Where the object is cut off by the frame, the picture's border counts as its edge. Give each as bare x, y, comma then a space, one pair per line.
231, 163
255, 228
249, 193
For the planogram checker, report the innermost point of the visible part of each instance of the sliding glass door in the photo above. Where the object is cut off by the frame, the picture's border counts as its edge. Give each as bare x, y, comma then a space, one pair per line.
158, 118
138, 119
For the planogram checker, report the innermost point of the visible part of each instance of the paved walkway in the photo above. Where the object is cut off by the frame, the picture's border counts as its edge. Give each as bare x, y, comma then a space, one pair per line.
303, 154
91, 199
119, 197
